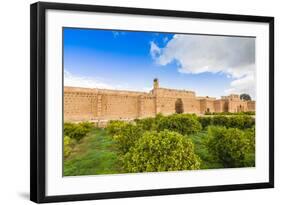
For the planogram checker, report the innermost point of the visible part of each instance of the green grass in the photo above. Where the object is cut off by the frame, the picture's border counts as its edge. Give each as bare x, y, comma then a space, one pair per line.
95, 154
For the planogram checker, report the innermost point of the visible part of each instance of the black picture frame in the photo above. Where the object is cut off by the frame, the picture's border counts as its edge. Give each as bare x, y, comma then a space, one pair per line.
38, 101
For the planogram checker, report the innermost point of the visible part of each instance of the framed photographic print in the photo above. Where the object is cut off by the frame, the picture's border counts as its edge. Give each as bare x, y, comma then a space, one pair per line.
129, 102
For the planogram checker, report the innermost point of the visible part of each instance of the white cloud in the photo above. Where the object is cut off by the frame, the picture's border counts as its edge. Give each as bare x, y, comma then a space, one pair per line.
154, 50
243, 85
90, 82
233, 56
85, 82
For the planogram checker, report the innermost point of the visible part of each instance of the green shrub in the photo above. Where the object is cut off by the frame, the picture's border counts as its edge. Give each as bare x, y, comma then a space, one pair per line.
208, 113
181, 123
250, 113
236, 121
159, 116
205, 121
231, 113
77, 131
68, 128
250, 157
250, 136
241, 121
161, 151
127, 137
114, 127
68, 146
146, 123
231, 146
86, 125
221, 120
249, 121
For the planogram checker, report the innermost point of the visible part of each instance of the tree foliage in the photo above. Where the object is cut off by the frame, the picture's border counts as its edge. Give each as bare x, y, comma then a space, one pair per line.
68, 146
231, 146
146, 123
236, 121
245, 96
114, 127
164, 143
77, 130
127, 136
231, 113
161, 151
205, 121
182, 123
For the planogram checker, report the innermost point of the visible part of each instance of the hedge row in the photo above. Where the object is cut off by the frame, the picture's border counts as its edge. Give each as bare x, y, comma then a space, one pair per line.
182, 123
231, 113
238, 121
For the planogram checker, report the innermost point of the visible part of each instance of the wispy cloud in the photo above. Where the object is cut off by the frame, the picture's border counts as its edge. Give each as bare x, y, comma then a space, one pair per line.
118, 33
82, 81
89, 82
194, 54
242, 85
154, 50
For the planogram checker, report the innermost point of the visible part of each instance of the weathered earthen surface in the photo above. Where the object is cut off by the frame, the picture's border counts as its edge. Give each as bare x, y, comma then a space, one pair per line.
81, 104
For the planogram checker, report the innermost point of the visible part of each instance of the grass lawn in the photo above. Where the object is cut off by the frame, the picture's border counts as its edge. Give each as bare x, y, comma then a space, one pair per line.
96, 154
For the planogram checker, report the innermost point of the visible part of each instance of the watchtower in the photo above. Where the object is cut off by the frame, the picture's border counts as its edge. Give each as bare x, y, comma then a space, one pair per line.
155, 83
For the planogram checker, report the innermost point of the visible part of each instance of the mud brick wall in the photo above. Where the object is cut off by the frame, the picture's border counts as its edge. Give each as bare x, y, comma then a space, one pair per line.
81, 104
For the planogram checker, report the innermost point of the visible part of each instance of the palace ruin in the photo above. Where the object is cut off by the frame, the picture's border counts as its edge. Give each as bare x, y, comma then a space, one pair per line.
86, 104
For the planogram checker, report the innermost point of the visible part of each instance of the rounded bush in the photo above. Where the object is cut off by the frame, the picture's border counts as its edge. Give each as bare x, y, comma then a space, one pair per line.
127, 136
114, 127
77, 131
182, 123
231, 146
161, 151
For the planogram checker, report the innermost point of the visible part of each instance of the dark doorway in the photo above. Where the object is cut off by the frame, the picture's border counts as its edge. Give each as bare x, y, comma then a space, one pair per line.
179, 106
240, 108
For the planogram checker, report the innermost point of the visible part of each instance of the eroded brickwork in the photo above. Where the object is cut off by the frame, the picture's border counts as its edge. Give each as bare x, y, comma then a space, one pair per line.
82, 104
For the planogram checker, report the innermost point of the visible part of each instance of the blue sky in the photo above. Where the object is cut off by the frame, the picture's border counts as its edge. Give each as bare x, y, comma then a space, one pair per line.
128, 60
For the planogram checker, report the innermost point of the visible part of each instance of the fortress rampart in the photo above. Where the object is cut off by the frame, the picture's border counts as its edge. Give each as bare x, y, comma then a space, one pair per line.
81, 104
